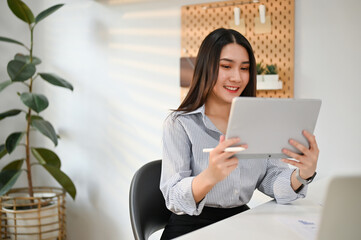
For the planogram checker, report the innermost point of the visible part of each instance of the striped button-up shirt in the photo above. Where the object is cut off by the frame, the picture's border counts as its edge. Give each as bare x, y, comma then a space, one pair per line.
184, 137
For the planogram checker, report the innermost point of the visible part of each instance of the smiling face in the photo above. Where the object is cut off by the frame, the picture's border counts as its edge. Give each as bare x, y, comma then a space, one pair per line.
233, 73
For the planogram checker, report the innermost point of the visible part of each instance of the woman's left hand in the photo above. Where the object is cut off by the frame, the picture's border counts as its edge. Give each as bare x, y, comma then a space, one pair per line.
307, 162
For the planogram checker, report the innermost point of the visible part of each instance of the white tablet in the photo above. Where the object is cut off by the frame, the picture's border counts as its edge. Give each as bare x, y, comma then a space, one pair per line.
266, 124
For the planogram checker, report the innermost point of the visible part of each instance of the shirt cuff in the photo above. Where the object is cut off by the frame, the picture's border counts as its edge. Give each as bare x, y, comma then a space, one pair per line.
283, 190
185, 199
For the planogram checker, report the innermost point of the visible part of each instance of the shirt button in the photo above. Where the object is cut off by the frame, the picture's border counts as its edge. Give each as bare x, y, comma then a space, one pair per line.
236, 191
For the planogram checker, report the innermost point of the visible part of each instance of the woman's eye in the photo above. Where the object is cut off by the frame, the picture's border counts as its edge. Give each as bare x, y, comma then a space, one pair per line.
244, 68
225, 66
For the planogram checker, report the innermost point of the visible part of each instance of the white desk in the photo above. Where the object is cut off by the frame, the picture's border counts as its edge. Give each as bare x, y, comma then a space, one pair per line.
270, 220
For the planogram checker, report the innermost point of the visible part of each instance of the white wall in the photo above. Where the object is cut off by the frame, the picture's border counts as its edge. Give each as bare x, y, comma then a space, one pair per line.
327, 63
123, 61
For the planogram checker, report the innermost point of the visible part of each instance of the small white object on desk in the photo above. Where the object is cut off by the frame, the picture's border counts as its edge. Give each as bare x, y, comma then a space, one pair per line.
229, 149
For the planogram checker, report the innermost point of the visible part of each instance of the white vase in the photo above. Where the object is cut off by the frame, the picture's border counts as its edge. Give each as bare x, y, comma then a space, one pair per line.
34, 224
41, 217
260, 78
270, 77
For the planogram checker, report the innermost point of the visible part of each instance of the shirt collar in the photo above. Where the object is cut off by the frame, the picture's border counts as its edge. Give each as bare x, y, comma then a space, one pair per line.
201, 110
207, 122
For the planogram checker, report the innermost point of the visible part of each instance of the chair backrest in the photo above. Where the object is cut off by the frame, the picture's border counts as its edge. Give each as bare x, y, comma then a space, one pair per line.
148, 212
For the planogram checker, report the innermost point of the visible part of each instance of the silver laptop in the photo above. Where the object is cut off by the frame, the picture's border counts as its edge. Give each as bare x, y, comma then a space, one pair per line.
266, 124
341, 213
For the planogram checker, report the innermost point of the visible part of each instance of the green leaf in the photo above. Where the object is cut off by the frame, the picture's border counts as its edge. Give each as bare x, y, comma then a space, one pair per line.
34, 117
55, 80
9, 113
47, 12
21, 10
15, 165
46, 156
3, 85
271, 69
37, 102
62, 179
8, 179
5, 39
13, 140
46, 129
20, 71
3, 151
26, 59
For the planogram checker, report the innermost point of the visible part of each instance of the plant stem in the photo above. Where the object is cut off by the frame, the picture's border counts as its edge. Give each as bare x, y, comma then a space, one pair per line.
27, 141
27, 149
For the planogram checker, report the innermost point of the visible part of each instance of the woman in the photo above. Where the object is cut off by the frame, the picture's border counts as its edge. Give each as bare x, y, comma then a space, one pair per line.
203, 188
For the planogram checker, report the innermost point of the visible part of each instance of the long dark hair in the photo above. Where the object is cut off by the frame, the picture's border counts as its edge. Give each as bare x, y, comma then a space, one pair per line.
207, 65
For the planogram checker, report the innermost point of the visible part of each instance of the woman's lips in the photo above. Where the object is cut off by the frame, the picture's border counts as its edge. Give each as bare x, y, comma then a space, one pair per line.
231, 89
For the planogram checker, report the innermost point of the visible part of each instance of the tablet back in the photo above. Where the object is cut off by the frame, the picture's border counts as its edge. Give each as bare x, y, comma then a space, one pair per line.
266, 124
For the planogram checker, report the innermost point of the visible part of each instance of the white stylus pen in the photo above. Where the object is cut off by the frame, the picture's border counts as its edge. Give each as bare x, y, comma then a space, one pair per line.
229, 149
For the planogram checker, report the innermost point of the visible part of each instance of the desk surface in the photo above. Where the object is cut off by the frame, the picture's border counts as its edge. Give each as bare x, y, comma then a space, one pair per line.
296, 221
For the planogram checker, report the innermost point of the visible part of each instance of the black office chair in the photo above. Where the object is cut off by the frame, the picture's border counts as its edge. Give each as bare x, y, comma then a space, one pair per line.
148, 212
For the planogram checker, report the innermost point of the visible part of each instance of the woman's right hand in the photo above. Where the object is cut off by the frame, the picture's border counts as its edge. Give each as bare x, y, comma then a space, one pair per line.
222, 163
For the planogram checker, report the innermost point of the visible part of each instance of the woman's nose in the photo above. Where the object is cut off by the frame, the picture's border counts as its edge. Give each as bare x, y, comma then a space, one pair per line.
236, 76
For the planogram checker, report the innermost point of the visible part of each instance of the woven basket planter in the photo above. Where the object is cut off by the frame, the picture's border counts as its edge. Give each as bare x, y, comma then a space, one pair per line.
41, 217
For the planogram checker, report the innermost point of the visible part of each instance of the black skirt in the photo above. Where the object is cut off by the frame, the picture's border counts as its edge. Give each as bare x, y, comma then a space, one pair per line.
182, 224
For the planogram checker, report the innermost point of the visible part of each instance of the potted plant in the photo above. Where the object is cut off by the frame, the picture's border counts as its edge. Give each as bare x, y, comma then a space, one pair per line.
271, 73
33, 202
260, 71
